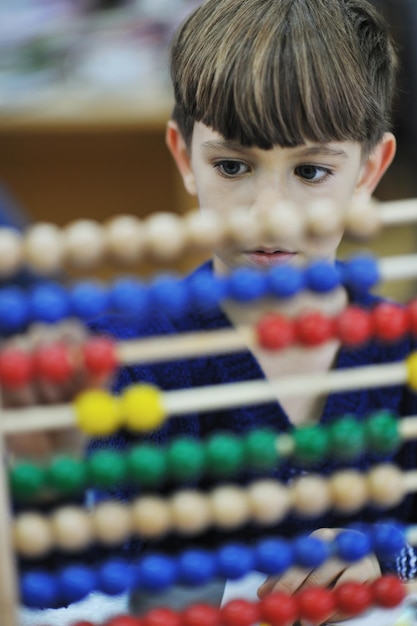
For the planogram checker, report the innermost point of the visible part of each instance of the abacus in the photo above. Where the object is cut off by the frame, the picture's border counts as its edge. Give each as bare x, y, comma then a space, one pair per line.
32, 534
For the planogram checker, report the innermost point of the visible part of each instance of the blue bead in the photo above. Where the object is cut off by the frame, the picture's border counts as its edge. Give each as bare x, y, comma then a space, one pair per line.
168, 293
245, 284
49, 303
14, 310
235, 560
321, 277
311, 551
76, 582
157, 572
38, 590
361, 273
129, 296
88, 300
115, 577
285, 281
387, 540
351, 545
274, 556
196, 567
206, 290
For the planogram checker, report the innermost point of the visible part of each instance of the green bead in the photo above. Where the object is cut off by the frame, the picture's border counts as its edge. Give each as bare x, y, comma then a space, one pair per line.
26, 480
66, 474
225, 454
185, 458
382, 433
347, 438
260, 449
311, 444
106, 469
147, 465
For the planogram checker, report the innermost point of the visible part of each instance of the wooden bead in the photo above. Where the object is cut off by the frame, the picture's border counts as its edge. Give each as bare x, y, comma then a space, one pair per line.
203, 229
84, 243
362, 219
311, 496
269, 501
349, 491
112, 523
386, 485
43, 248
125, 239
32, 535
165, 236
11, 251
323, 218
241, 227
151, 517
283, 223
72, 528
190, 511
229, 506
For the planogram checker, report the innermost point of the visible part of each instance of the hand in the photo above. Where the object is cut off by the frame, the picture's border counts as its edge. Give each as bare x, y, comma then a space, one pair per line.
38, 445
332, 573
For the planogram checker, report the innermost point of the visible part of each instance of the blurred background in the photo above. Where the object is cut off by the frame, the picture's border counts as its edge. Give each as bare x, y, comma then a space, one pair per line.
85, 96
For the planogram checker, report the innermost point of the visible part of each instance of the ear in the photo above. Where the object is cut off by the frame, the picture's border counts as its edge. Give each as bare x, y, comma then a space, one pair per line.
376, 164
178, 149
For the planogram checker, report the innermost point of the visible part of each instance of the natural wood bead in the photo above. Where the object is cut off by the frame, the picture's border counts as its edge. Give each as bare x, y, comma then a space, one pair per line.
43, 248
11, 251
151, 516
311, 495
203, 229
112, 523
241, 227
386, 485
165, 236
32, 535
84, 243
269, 501
125, 239
283, 223
229, 506
190, 511
323, 218
362, 219
349, 491
72, 528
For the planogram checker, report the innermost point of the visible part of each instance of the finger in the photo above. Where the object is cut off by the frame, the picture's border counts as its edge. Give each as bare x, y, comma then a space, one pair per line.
288, 583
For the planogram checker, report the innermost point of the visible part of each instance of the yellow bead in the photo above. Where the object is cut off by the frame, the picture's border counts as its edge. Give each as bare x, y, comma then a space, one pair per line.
142, 408
411, 364
98, 412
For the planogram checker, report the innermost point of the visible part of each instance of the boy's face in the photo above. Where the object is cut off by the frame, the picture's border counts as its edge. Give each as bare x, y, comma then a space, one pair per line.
227, 176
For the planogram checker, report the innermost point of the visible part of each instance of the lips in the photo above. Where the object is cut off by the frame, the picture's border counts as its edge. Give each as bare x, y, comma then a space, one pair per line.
265, 257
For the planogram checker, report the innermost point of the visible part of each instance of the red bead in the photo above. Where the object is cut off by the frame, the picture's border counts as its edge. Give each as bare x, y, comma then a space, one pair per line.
353, 598
239, 613
124, 620
200, 615
412, 316
278, 609
275, 332
99, 355
316, 604
354, 326
390, 321
388, 591
53, 363
161, 617
83, 623
314, 329
16, 368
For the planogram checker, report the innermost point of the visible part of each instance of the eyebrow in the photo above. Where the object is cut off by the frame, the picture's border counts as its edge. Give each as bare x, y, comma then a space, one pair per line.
224, 143
312, 151
305, 152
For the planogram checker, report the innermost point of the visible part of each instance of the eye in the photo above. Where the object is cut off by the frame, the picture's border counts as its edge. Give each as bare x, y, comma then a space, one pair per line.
230, 168
312, 173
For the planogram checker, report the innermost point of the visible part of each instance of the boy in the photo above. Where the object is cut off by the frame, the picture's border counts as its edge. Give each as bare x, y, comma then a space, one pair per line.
278, 100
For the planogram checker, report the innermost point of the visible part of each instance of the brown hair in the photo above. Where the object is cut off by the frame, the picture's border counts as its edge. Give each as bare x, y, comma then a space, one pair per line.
280, 72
